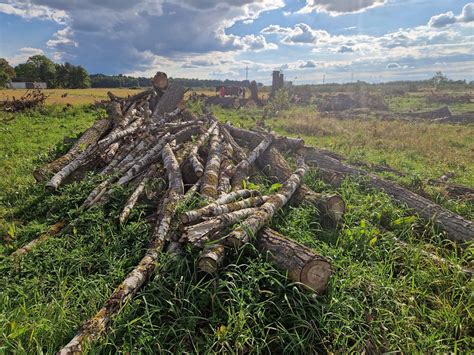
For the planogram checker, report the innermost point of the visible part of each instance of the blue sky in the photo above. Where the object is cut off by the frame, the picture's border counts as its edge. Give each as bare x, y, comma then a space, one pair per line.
372, 40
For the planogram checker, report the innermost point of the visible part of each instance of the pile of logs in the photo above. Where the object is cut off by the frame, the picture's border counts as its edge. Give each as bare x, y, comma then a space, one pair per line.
30, 100
149, 137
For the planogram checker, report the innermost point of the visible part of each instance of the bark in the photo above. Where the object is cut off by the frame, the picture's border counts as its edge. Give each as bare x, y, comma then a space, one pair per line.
169, 101
215, 209
89, 137
199, 234
152, 156
300, 262
210, 177
137, 278
249, 228
227, 169
211, 258
242, 169
236, 195
133, 198
83, 158
52, 231
238, 151
193, 157
456, 227
277, 169
251, 139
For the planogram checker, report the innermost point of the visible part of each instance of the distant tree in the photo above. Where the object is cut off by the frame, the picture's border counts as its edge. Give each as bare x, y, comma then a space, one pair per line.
7, 68
439, 79
79, 78
4, 78
6, 72
27, 72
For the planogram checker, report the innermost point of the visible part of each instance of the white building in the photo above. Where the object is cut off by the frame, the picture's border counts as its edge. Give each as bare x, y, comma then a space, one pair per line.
27, 85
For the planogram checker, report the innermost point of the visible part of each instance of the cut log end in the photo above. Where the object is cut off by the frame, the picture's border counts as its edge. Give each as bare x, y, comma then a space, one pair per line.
315, 275
211, 259
335, 208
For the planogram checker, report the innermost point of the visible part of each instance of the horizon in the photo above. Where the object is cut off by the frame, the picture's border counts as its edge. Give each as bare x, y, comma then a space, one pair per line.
372, 40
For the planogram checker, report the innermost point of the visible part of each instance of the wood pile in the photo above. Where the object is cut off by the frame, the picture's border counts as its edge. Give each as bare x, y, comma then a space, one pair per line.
32, 99
149, 137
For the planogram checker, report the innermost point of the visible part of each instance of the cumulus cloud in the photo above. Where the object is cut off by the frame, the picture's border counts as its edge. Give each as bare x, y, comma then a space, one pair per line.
448, 18
301, 33
345, 49
120, 35
23, 54
308, 64
340, 7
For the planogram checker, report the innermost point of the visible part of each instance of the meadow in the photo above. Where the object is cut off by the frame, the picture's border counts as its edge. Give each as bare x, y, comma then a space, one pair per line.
384, 296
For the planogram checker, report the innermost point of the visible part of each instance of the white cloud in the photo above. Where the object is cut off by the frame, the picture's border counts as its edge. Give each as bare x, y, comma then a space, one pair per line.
448, 18
340, 7
121, 35
300, 33
23, 54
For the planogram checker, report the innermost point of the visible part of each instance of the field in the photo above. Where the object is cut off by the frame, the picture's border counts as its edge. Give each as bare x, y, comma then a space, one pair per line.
78, 96
384, 296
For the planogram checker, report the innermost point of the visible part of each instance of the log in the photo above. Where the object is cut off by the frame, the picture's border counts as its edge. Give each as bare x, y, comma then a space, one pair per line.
236, 195
199, 234
457, 228
193, 156
277, 169
89, 137
227, 169
169, 101
249, 228
53, 230
210, 178
95, 326
160, 81
215, 209
300, 262
211, 258
237, 149
242, 169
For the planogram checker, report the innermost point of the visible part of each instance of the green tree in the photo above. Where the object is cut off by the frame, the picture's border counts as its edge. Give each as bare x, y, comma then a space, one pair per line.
27, 72
4, 78
45, 67
79, 78
7, 68
439, 79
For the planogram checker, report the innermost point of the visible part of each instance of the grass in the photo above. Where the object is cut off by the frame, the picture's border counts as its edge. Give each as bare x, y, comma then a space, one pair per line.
80, 96
383, 297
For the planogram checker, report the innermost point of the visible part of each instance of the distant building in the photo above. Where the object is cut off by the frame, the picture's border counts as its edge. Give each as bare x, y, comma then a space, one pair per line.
27, 85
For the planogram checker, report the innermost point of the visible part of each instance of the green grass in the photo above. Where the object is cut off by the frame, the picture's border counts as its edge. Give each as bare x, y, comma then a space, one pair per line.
382, 297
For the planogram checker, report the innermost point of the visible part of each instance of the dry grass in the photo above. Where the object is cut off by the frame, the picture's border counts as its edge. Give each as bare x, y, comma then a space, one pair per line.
82, 96
432, 148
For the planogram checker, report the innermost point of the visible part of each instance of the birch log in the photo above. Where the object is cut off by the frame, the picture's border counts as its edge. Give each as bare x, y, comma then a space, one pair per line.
249, 228
193, 156
210, 177
95, 326
89, 137
242, 169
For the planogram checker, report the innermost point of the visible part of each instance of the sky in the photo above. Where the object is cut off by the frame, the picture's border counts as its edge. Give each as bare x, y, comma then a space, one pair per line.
309, 40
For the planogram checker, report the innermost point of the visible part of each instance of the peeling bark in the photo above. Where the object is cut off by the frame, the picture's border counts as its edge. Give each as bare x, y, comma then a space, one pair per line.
249, 228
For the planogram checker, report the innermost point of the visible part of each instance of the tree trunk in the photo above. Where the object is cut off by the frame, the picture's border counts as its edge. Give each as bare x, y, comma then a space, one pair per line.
457, 228
211, 258
53, 230
242, 169
170, 99
301, 263
249, 228
210, 178
89, 137
160, 81
277, 169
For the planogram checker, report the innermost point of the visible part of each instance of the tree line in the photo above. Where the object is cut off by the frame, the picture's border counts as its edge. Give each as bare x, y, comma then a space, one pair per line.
39, 68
